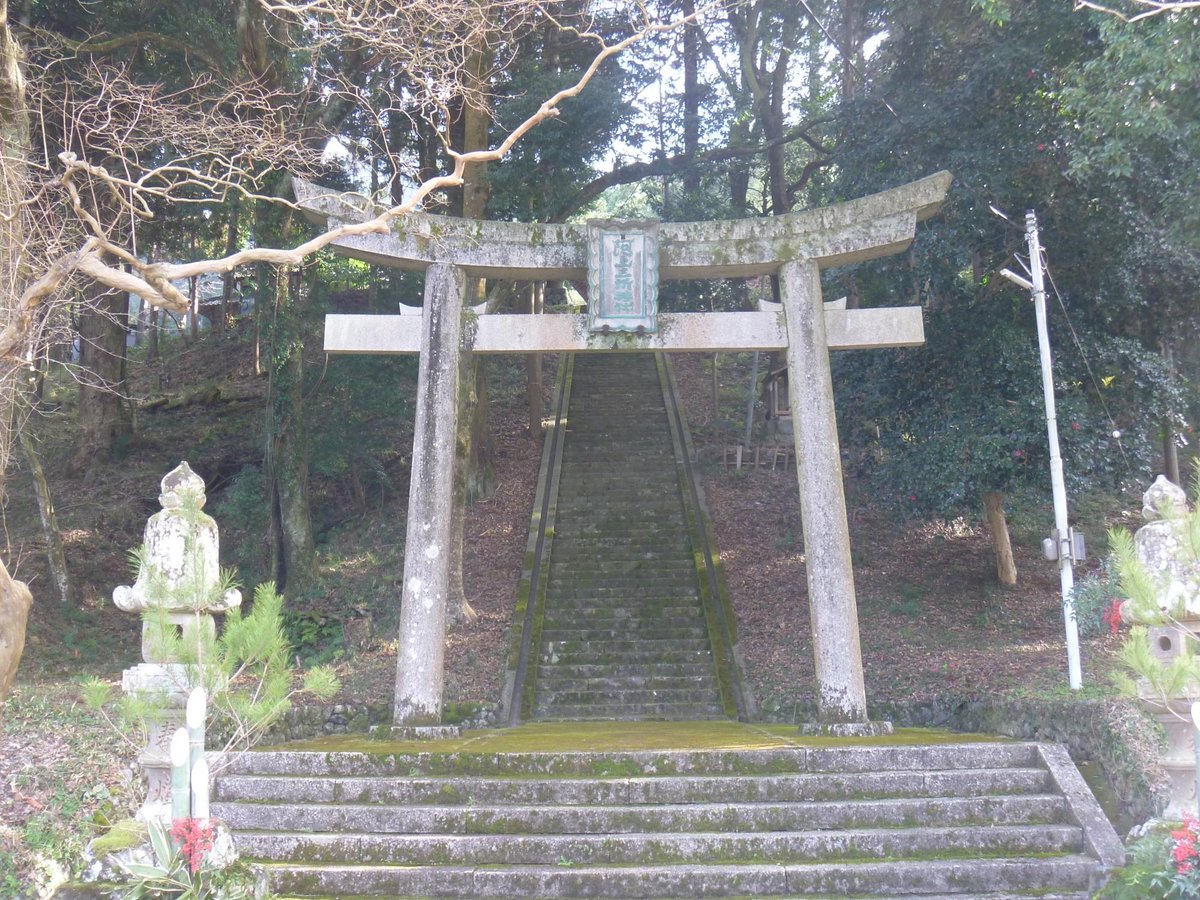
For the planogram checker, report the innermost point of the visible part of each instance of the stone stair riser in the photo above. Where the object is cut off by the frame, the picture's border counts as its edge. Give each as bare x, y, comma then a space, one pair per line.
631, 849
740, 817
830, 879
632, 791
942, 757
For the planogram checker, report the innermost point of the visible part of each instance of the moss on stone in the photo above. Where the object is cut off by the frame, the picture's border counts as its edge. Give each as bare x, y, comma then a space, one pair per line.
124, 834
606, 737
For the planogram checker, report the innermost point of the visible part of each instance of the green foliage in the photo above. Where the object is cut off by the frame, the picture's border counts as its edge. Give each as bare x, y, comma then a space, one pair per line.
1093, 597
170, 874
245, 670
963, 414
360, 425
1151, 868
242, 511
1137, 583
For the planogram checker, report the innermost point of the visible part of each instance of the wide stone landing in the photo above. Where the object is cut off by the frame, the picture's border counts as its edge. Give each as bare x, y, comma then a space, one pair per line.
701, 809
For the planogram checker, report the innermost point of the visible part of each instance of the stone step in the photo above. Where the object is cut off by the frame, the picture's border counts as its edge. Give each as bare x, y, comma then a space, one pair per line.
623, 682
622, 648
630, 697
622, 571
634, 567
649, 625
935, 812
901, 877
634, 791
650, 712
799, 760
633, 616
661, 848
603, 596
580, 560
598, 657
554, 672
666, 631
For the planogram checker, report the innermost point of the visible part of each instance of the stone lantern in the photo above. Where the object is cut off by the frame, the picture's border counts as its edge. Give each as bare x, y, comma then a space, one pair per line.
177, 591
1161, 549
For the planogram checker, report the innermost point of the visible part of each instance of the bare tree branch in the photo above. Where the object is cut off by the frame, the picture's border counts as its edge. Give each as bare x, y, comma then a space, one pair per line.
632, 172
231, 137
1139, 9
103, 45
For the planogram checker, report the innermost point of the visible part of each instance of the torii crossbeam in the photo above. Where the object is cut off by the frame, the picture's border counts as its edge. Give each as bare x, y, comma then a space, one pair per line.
796, 247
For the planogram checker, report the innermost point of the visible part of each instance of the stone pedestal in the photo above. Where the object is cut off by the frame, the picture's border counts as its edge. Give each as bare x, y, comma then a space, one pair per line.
165, 685
1179, 758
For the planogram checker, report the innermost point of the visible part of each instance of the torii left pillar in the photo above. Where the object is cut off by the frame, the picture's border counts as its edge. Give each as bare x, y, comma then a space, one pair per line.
421, 649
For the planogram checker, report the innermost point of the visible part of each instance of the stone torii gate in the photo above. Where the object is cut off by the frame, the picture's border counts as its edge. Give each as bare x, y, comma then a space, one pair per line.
796, 247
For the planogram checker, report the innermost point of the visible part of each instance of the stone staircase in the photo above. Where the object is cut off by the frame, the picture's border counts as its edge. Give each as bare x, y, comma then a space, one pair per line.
623, 632
984, 820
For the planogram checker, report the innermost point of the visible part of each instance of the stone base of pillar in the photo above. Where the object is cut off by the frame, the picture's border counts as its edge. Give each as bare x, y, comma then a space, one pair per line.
845, 729
415, 732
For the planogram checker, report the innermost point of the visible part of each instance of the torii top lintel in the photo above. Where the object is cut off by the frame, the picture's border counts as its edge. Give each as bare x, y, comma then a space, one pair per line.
869, 227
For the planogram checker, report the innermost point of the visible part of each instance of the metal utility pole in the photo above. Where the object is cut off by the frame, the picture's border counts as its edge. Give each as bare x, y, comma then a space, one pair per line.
1062, 546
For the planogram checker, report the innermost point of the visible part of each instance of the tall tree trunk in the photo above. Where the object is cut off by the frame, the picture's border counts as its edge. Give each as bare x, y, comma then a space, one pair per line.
293, 553
104, 419
56, 556
15, 598
691, 97
231, 246
1006, 568
474, 475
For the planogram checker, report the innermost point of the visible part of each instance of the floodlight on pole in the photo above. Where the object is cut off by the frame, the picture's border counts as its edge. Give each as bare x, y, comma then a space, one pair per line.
1063, 545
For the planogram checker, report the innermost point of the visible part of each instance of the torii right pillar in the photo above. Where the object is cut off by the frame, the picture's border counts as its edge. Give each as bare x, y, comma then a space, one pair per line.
841, 690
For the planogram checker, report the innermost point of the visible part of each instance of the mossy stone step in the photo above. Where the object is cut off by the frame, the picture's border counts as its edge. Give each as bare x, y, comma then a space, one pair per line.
628, 683
602, 599
632, 615
832, 757
642, 564
600, 587
627, 696
628, 606
662, 848
664, 631
636, 791
554, 672
932, 812
840, 880
650, 712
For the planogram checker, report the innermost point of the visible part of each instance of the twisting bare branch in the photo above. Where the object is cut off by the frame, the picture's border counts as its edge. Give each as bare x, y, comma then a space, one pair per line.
1136, 10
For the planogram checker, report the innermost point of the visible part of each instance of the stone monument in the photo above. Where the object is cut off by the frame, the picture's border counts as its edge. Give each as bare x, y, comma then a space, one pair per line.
177, 591
1162, 550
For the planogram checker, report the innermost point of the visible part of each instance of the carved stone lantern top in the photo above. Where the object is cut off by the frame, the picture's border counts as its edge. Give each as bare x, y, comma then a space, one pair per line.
1162, 548
179, 565
1162, 498
181, 487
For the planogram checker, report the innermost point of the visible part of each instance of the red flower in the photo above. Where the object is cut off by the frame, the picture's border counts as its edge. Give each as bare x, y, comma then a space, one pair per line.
1017, 454
1112, 618
1075, 426
195, 838
1041, 147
